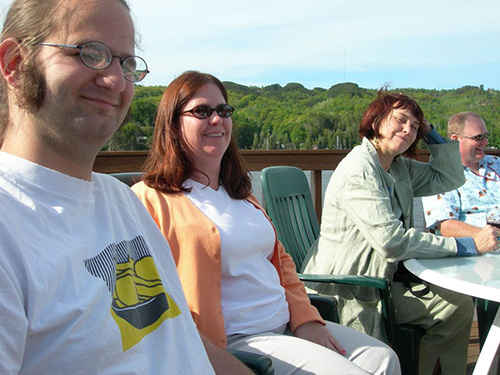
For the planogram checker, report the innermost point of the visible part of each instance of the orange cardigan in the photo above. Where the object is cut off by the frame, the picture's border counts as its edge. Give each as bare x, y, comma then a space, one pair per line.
195, 244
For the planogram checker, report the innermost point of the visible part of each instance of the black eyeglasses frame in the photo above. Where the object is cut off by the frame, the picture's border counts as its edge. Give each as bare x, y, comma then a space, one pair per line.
223, 110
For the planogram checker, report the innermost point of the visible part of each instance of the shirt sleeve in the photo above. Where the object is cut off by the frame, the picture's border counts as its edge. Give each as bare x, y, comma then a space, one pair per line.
433, 137
14, 324
441, 207
465, 247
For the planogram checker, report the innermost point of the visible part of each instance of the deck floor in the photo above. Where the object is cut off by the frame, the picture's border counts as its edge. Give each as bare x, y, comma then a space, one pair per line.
473, 348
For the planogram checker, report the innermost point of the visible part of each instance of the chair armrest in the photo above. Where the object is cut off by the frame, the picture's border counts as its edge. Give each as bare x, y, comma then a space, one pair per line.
258, 363
374, 282
326, 305
383, 285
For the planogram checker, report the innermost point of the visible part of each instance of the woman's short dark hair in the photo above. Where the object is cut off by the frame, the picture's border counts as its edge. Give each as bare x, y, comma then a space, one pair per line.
381, 108
168, 164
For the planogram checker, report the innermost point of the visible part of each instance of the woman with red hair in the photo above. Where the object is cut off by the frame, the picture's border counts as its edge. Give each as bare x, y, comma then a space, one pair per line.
367, 229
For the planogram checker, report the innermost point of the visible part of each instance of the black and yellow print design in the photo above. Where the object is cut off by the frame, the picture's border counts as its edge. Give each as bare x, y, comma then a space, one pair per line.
140, 302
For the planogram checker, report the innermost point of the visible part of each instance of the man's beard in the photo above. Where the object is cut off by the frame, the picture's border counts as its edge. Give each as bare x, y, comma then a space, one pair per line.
31, 95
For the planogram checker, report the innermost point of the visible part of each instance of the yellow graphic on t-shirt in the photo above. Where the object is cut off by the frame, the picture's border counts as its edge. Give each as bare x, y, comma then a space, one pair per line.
140, 302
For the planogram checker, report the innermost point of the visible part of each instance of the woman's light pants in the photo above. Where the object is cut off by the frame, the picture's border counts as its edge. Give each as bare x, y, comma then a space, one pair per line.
292, 355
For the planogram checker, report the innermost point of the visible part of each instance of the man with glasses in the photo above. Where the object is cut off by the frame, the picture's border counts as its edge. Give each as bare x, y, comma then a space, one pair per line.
87, 281
462, 212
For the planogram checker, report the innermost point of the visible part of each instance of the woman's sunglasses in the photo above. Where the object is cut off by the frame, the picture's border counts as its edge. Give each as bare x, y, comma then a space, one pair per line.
204, 111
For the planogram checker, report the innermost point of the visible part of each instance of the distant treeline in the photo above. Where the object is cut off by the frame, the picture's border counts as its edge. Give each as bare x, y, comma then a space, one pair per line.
294, 117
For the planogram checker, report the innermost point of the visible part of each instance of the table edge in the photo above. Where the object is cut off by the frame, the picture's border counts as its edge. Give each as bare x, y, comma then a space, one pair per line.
457, 285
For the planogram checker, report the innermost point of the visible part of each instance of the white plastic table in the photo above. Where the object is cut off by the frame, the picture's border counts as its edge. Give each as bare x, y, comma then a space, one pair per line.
476, 276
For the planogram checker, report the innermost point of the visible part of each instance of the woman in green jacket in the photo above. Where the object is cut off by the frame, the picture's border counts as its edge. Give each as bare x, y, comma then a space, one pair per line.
367, 229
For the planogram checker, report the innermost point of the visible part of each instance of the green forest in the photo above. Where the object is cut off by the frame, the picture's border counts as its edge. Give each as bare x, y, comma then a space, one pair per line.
294, 117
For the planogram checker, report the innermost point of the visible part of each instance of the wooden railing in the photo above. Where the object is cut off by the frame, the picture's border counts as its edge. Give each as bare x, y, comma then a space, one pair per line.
315, 161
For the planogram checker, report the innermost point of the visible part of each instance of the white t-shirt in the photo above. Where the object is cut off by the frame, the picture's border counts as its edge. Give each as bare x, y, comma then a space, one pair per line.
87, 281
252, 297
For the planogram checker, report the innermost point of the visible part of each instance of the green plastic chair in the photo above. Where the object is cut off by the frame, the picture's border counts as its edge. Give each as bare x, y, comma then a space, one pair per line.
260, 364
290, 206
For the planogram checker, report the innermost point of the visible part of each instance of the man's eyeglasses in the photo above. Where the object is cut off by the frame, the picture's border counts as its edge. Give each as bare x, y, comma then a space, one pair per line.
204, 111
98, 56
477, 138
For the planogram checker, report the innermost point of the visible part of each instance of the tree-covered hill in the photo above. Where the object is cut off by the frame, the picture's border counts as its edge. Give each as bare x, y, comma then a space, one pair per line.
294, 117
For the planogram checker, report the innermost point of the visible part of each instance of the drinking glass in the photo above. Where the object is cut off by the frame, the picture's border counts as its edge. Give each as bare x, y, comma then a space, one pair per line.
493, 216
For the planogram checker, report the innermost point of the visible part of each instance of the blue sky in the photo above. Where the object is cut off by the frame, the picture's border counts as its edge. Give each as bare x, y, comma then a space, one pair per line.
433, 44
